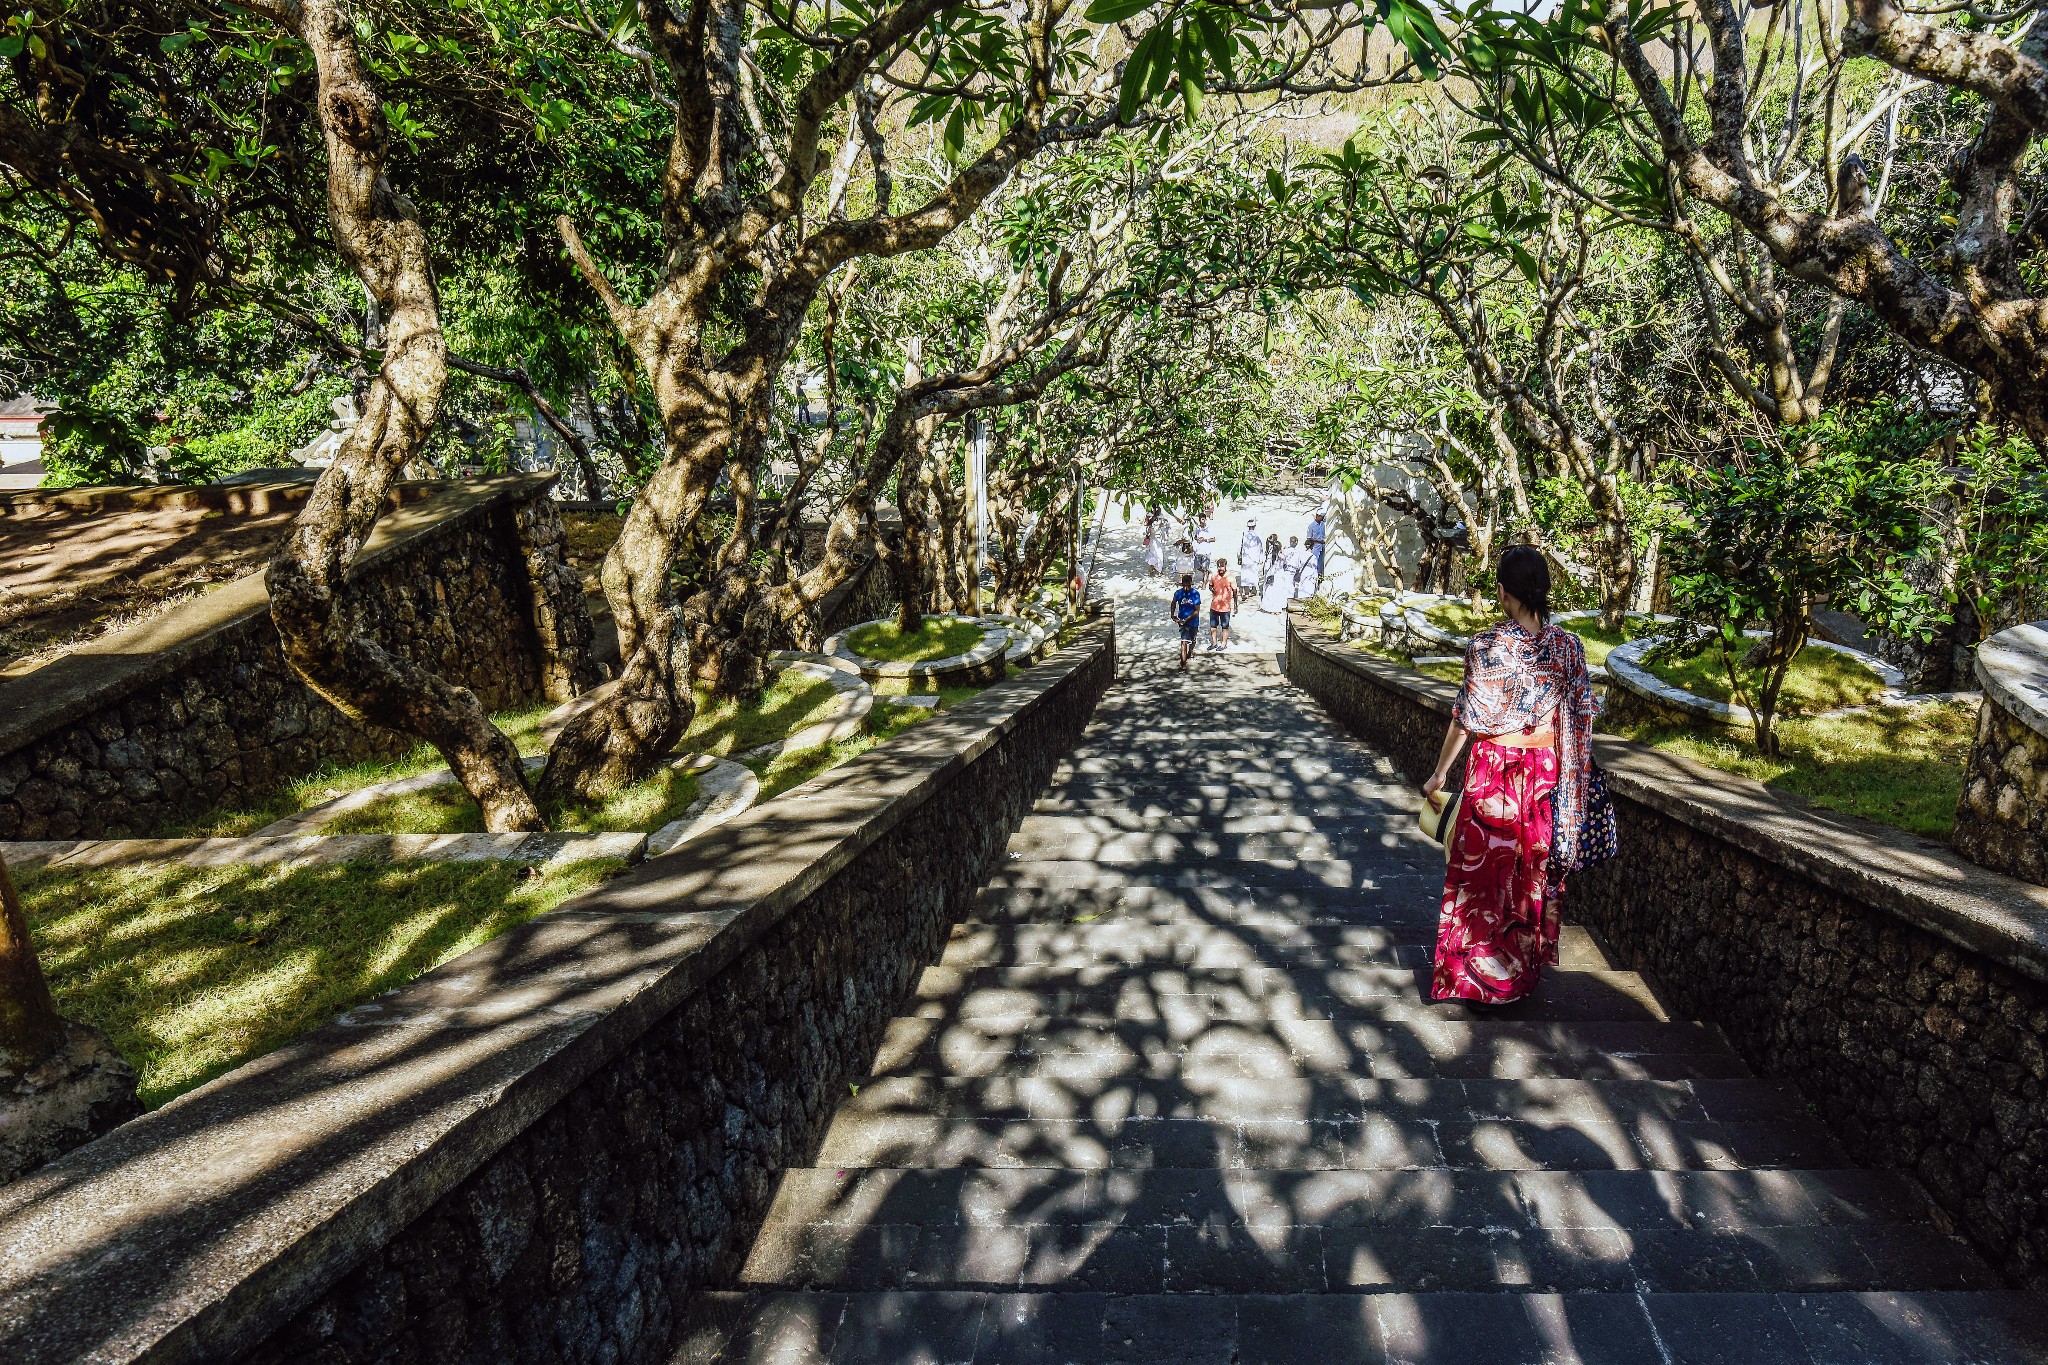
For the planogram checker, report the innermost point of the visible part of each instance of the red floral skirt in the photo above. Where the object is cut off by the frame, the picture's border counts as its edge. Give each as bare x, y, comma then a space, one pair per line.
1498, 923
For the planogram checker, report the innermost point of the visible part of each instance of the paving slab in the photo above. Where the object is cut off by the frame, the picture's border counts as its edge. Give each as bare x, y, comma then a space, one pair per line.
1175, 1091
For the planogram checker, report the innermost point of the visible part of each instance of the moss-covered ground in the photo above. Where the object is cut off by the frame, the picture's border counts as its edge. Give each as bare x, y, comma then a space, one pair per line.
935, 639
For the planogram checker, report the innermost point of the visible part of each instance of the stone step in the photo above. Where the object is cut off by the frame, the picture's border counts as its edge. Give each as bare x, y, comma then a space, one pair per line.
1479, 1050
1121, 1257
1398, 994
1068, 838
1358, 820
1214, 947
1645, 1201
1249, 1085
1499, 1328
1317, 883
1135, 809
1375, 1141
1407, 908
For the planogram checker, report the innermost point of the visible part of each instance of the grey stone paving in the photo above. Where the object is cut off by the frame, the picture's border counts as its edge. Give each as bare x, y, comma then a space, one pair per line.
1176, 1093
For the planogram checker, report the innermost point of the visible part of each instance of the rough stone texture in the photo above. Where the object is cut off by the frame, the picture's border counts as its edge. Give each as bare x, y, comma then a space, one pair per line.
534, 1152
1924, 1054
2002, 820
562, 629
80, 1091
579, 1240
197, 709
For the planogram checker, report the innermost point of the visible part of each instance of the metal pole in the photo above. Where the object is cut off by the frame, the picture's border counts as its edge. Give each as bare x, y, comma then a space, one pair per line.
977, 477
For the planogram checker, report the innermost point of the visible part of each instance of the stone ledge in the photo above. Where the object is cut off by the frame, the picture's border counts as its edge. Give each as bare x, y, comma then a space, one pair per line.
192, 1233
1915, 879
40, 698
306, 850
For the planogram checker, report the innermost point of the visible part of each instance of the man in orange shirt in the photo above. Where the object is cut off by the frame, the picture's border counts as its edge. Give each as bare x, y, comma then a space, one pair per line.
1222, 597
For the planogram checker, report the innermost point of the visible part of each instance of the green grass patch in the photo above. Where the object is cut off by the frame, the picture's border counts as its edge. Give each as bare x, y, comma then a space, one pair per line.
1600, 641
1819, 679
646, 805
722, 728
784, 771
725, 727
1451, 673
192, 971
1898, 765
521, 726
935, 639
1459, 618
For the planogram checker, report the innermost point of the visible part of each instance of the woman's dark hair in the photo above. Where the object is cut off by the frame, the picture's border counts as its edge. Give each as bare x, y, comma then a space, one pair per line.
1525, 576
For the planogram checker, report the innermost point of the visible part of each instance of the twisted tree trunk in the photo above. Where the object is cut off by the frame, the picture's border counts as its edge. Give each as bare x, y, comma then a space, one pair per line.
318, 618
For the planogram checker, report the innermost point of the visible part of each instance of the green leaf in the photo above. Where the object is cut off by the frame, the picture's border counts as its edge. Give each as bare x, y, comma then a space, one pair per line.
1526, 263
1115, 11
1188, 57
1137, 74
1222, 47
170, 42
10, 46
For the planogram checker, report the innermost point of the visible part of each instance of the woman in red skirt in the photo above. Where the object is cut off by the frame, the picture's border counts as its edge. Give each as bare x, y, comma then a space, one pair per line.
1527, 706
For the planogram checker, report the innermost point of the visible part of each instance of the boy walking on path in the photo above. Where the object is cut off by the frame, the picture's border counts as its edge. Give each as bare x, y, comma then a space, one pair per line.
1187, 614
1222, 597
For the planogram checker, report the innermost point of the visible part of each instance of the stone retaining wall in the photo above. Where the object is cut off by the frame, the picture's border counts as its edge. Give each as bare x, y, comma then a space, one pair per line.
533, 1153
2002, 819
1904, 990
196, 709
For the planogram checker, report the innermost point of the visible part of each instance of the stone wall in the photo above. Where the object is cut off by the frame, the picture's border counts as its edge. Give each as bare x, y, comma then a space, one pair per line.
2002, 820
534, 1153
196, 709
1901, 988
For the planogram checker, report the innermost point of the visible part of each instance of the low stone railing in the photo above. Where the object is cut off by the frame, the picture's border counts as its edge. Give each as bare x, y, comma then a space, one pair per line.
2002, 819
535, 1152
196, 709
1903, 989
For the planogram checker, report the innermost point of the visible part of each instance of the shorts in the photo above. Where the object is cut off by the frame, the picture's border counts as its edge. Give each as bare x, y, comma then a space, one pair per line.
1187, 627
1219, 620
1201, 563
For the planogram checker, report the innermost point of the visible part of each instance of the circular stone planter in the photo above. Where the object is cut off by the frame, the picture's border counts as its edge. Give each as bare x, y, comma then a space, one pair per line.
847, 717
1356, 618
2002, 820
1029, 639
979, 665
724, 789
1636, 689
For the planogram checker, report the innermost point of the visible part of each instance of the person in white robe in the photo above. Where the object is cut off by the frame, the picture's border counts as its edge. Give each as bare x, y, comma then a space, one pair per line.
1251, 555
1297, 567
1278, 583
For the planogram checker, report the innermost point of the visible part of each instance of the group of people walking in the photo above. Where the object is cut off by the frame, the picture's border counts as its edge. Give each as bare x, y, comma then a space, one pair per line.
1267, 572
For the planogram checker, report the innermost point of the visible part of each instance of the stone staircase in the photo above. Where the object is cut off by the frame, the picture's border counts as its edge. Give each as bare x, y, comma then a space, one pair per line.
1176, 1093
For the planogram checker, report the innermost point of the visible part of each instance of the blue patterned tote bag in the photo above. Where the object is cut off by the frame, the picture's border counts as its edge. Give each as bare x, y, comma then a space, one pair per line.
1599, 837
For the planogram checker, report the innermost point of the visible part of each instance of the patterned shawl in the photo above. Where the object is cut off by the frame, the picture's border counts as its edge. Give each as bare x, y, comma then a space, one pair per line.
1515, 681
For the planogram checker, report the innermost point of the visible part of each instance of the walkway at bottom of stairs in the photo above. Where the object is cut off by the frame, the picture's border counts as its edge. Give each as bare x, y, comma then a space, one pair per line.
1176, 1094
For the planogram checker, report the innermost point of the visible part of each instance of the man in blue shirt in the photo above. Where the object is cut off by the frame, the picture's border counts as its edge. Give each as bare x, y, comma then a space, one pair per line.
1187, 614
1318, 534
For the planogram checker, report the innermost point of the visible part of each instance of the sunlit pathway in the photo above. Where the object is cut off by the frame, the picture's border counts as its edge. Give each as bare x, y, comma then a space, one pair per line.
1144, 625
1175, 1094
